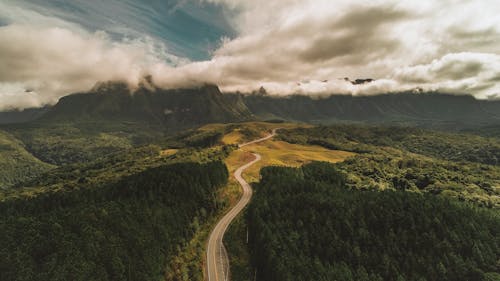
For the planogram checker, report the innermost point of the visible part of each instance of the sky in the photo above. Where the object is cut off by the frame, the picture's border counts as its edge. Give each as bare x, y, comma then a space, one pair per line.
52, 48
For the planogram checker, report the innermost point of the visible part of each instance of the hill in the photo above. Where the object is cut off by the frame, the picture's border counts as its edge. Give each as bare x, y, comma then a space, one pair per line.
17, 164
123, 216
125, 230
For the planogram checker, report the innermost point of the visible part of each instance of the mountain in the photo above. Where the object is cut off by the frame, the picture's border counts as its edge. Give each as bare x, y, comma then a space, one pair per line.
177, 109
422, 109
84, 126
172, 109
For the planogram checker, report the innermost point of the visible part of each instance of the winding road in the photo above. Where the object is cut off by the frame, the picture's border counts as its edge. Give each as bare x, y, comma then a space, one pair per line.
217, 260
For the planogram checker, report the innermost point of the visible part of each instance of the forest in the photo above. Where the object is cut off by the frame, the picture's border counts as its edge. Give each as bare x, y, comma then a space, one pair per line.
306, 224
16, 163
123, 230
462, 166
442, 145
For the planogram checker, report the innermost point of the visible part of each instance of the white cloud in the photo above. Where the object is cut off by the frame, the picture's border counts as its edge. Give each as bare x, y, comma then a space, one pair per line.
449, 45
51, 62
404, 45
458, 72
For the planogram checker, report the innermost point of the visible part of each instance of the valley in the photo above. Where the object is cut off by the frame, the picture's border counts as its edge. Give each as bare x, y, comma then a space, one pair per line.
98, 165
237, 140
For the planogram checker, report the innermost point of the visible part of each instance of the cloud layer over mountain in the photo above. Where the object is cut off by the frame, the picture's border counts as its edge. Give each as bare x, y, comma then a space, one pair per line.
287, 46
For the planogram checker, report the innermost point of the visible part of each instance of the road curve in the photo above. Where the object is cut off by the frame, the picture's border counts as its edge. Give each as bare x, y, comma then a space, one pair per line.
217, 261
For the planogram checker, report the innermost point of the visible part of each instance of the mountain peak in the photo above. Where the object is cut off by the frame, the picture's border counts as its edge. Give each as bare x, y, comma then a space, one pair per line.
109, 86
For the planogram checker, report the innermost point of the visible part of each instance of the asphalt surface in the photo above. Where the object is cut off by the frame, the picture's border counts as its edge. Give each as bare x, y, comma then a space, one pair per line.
217, 262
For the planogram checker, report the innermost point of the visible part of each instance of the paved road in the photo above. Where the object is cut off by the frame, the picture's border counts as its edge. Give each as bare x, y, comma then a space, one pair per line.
217, 260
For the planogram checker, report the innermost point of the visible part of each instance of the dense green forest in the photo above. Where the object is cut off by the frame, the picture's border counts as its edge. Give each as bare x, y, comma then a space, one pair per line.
16, 163
111, 168
62, 143
304, 224
457, 165
124, 230
87, 148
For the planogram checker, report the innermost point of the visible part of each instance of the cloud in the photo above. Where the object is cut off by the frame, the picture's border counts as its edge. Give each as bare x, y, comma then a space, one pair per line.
358, 36
400, 45
458, 72
443, 46
307, 49
287, 46
43, 64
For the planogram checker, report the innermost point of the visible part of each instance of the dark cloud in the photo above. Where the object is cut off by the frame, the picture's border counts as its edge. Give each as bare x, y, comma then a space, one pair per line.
483, 39
495, 78
352, 47
365, 18
456, 70
358, 36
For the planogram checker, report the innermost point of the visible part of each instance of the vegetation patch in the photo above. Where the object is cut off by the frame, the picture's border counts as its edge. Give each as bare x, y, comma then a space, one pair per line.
413, 159
306, 225
282, 153
16, 163
127, 230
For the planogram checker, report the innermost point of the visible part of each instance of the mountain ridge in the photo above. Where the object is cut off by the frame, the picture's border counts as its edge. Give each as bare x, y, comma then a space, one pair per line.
192, 107
180, 108
406, 108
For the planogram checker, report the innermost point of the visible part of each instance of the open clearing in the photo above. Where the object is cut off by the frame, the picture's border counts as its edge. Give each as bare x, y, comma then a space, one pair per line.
282, 154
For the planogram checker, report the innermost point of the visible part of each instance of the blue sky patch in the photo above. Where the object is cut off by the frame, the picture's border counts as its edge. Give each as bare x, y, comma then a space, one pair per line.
189, 28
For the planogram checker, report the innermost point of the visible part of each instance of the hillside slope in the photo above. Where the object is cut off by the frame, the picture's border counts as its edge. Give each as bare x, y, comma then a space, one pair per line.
17, 164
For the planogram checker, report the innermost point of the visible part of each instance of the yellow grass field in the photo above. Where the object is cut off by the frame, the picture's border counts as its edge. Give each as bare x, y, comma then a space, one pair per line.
233, 137
168, 152
282, 154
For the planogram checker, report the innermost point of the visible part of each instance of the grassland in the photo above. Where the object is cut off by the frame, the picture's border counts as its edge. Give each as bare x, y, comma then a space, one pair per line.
280, 153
